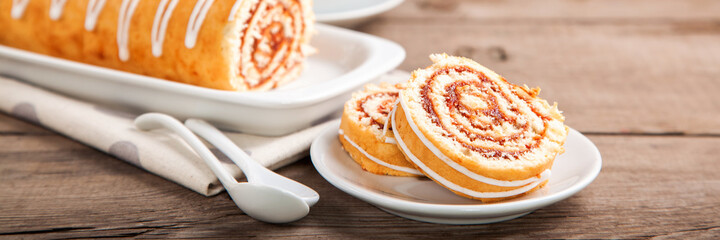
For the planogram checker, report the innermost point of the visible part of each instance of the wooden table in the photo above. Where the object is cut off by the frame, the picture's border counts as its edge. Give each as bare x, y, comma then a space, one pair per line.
640, 78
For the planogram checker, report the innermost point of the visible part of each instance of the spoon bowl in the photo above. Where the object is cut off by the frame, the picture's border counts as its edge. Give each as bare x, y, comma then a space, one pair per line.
266, 203
258, 199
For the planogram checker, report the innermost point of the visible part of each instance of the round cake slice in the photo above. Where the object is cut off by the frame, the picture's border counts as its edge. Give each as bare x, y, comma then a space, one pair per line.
366, 135
476, 134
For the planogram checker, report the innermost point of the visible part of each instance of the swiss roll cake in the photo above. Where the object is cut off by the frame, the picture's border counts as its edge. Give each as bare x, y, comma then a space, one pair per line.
476, 134
238, 45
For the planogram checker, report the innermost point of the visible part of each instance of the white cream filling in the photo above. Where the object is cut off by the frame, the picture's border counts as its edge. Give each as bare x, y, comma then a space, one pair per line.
56, 9
454, 164
387, 123
93, 11
234, 9
159, 28
197, 17
127, 9
378, 161
18, 8
543, 176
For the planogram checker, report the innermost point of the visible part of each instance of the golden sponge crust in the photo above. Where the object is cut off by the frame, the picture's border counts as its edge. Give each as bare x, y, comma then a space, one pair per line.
371, 138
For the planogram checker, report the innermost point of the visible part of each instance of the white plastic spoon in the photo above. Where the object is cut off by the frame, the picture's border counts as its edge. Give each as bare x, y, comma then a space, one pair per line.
254, 172
263, 202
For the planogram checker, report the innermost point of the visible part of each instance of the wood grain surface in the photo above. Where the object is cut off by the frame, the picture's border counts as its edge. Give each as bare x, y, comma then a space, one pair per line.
639, 78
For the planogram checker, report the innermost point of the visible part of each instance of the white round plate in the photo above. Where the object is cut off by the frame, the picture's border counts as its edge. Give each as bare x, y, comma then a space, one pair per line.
422, 199
348, 13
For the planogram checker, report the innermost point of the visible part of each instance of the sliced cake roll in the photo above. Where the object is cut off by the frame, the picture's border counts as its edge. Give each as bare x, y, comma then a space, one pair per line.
366, 135
476, 134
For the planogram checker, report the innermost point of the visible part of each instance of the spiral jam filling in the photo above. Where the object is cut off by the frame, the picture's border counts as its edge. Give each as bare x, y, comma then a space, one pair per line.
494, 120
376, 107
371, 109
271, 42
492, 129
524, 185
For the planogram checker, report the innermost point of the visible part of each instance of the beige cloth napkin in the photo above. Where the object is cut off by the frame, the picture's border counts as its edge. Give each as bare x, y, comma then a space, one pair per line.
159, 151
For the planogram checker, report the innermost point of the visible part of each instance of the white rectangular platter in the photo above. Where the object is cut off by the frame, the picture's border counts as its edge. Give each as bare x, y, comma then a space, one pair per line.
345, 61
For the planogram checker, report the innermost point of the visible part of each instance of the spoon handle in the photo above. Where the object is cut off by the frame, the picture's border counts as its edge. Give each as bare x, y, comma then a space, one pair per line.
222, 142
150, 121
254, 171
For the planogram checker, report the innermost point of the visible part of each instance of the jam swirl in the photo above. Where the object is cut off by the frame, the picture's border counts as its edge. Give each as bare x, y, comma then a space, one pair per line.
273, 34
491, 117
378, 113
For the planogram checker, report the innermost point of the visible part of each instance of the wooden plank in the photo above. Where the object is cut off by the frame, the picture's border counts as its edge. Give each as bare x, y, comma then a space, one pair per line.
11, 125
649, 186
551, 10
631, 78
37, 143
619, 69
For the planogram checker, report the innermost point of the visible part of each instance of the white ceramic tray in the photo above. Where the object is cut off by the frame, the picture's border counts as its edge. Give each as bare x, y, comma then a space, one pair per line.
423, 200
345, 61
348, 13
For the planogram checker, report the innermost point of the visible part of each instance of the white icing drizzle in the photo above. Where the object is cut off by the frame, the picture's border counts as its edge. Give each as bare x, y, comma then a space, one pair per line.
125, 15
385, 126
234, 9
454, 164
56, 9
93, 11
543, 176
378, 161
196, 20
127, 10
160, 25
18, 8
